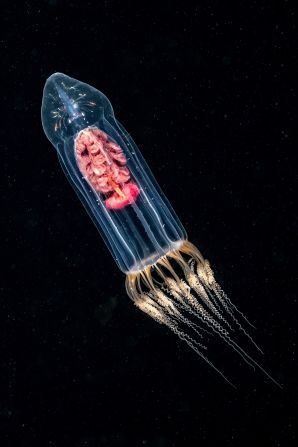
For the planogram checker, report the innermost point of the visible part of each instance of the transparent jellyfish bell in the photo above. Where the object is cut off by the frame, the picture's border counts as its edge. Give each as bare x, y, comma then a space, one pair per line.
69, 106
166, 276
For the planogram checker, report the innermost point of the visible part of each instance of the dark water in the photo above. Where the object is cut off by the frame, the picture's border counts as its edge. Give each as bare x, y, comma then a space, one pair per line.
208, 93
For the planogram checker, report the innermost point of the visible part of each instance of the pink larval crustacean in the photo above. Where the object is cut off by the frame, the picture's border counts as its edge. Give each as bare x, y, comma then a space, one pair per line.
103, 163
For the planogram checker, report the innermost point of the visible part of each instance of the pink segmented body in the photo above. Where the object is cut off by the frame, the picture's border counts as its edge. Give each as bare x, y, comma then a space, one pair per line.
104, 165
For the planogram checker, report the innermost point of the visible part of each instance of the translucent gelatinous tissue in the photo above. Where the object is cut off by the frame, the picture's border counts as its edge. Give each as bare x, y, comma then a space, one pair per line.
109, 174
166, 276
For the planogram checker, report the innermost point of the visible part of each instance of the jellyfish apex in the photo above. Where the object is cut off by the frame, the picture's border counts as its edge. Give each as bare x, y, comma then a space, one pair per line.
70, 111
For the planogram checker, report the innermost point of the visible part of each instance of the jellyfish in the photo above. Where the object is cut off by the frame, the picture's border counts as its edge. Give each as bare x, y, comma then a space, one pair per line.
166, 275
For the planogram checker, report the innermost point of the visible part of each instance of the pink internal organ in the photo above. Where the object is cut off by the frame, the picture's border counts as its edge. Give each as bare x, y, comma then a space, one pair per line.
103, 163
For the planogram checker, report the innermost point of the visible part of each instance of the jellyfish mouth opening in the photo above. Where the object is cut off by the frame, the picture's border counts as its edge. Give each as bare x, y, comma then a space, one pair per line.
179, 291
153, 259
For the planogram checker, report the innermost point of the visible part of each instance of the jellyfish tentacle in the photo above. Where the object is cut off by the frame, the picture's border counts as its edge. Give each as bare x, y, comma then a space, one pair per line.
180, 300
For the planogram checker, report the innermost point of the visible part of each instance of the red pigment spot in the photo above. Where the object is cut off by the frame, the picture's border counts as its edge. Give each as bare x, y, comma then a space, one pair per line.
104, 164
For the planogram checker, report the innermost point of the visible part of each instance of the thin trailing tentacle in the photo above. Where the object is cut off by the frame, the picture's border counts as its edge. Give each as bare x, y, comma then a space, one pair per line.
232, 305
181, 335
180, 300
236, 321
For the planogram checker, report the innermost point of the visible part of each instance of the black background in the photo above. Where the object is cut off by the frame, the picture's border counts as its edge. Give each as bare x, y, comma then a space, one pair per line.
208, 93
